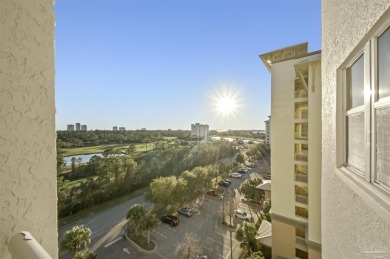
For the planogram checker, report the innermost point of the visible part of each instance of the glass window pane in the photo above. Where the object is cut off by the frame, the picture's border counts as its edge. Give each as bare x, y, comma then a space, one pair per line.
383, 145
356, 83
355, 141
384, 64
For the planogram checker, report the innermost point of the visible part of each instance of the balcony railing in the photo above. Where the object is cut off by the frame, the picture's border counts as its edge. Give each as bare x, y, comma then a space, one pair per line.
301, 156
301, 199
301, 241
301, 178
303, 114
301, 135
301, 212
300, 94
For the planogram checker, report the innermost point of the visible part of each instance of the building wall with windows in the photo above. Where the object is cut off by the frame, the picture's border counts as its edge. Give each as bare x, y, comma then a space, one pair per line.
267, 140
295, 152
28, 195
199, 131
355, 142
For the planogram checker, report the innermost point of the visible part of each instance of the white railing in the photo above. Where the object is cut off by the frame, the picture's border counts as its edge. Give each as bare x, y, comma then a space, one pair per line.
301, 135
301, 241
301, 199
303, 114
300, 94
301, 157
24, 245
301, 178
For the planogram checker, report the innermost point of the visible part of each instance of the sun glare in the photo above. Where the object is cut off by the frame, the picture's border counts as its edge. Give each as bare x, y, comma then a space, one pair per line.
225, 102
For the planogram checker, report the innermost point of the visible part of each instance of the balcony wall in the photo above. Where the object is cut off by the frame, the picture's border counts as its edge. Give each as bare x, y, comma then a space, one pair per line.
27, 111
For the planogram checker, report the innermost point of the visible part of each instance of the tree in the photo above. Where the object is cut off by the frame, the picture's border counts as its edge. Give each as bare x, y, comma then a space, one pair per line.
190, 248
73, 160
229, 209
134, 215
166, 191
77, 239
248, 188
246, 234
147, 223
267, 208
60, 157
240, 158
256, 255
86, 254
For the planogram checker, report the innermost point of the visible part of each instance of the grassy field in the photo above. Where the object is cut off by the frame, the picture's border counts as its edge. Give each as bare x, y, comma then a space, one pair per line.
141, 147
99, 208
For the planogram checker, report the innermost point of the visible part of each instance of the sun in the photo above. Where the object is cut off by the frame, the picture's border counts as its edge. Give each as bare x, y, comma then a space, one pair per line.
225, 102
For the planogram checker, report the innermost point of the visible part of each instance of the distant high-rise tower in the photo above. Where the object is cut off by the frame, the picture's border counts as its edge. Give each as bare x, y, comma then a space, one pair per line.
115, 128
84, 127
78, 126
199, 131
70, 127
122, 129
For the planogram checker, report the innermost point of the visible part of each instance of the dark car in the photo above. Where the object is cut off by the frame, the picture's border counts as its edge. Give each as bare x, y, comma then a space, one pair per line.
185, 211
228, 181
224, 183
242, 171
170, 219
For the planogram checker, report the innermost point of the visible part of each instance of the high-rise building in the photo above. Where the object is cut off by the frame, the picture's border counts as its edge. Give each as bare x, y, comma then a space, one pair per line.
296, 151
70, 127
356, 126
122, 129
84, 127
115, 128
78, 126
199, 131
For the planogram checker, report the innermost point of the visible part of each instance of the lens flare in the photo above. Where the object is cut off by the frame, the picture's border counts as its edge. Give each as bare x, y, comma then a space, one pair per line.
225, 102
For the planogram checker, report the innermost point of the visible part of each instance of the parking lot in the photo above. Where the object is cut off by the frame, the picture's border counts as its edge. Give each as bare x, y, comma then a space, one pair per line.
217, 240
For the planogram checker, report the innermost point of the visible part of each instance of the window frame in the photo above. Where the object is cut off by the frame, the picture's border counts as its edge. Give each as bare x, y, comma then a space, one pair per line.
369, 50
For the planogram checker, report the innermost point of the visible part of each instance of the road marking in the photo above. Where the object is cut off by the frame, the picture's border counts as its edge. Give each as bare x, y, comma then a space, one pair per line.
222, 235
218, 242
212, 251
112, 242
159, 234
168, 227
125, 250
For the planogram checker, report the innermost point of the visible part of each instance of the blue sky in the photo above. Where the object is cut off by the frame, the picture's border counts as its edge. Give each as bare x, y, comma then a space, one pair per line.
162, 64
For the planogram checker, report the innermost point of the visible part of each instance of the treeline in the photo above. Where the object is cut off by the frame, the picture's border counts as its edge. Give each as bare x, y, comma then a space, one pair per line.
70, 139
114, 176
238, 133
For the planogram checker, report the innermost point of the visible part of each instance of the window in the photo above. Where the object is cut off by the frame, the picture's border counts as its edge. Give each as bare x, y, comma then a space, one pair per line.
366, 87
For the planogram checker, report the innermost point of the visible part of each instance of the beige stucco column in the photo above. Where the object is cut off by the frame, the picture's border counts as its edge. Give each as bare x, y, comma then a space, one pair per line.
27, 123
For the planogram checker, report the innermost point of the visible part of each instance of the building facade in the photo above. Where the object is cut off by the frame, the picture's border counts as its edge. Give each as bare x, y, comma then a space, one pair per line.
295, 153
200, 131
84, 127
70, 127
78, 126
267, 140
356, 141
27, 110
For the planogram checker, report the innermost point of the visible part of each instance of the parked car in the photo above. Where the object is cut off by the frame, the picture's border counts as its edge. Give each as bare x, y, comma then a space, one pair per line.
224, 183
185, 211
248, 169
212, 193
242, 215
236, 175
228, 181
242, 171
170, 219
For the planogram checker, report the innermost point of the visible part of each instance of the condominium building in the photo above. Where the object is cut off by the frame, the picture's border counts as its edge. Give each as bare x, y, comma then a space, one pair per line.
70, 127
267, 140
78, 126
199, 131
115, 128
122, 129
84, 127
356, 125
296, 151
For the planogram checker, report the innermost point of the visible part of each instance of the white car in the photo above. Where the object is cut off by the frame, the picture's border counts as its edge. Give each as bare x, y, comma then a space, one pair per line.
242, 215
236, 175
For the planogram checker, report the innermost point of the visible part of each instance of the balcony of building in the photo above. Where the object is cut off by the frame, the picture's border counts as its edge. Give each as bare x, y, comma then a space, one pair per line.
301, 195
301, 131
301, 212
300, 173
300, 91
301, 152
301, 111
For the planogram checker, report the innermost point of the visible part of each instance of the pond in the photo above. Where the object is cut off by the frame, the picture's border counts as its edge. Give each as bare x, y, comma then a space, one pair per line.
84, 158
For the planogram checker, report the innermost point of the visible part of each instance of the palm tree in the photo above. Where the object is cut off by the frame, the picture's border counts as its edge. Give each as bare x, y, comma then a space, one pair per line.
190, 248
134, 216
246, 234
147, 223
77, 239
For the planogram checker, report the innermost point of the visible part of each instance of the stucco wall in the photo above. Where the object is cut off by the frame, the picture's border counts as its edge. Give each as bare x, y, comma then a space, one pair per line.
353, 225
27, 123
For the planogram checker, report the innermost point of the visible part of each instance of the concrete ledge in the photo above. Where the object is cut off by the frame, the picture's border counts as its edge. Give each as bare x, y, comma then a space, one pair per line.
140, 249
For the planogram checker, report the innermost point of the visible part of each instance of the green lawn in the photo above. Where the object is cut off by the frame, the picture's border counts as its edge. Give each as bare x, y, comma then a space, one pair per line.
99, 208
